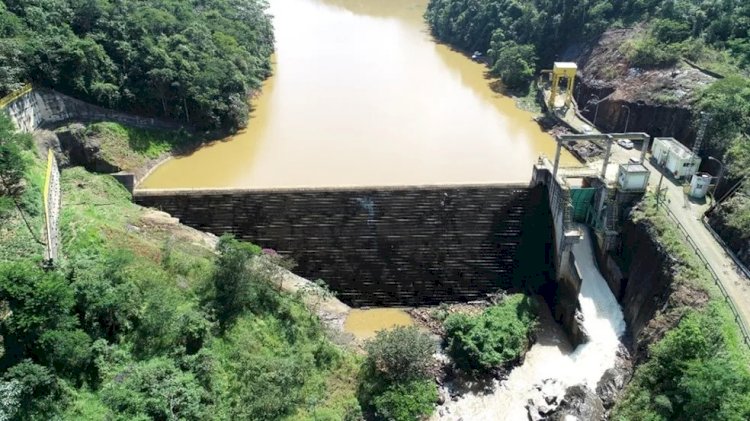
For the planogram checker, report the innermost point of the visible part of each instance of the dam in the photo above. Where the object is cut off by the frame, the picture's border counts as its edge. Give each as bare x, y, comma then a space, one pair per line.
387, 246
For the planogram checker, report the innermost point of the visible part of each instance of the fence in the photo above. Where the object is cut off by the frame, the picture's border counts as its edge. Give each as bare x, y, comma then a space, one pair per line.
15, 95
717, 281
51, 207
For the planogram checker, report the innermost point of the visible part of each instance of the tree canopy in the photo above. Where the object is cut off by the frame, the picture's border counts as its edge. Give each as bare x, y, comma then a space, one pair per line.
543, 28
194, 61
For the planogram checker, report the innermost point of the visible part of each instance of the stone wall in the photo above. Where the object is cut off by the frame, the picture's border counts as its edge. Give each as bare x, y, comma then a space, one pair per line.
387, 246
45, 108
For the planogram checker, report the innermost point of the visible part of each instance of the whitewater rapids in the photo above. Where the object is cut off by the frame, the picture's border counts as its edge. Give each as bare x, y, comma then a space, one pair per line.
551, 357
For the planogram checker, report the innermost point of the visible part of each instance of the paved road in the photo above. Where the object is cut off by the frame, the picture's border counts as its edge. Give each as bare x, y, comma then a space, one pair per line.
689, 214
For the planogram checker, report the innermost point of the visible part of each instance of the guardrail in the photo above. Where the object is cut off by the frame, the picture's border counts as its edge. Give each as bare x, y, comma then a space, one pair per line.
732, 306
15, 95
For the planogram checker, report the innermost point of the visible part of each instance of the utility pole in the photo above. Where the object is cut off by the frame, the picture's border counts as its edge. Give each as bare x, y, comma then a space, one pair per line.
658, 190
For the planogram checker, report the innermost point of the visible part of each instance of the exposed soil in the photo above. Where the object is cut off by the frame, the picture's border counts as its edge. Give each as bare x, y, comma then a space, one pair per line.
604, 66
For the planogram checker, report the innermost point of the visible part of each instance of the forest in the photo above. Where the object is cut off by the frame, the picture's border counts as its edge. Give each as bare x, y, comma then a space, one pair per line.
519, 36
192, 61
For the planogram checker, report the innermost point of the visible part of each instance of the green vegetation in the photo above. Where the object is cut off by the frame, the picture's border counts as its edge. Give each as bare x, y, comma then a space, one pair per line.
499, 336
535, 32
138, 321
728, 102
699, 370
130, 148
396, 382
194, 61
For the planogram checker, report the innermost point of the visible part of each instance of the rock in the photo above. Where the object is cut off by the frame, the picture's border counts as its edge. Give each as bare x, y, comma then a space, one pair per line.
441, 397
83, 150
579, 402
614, 379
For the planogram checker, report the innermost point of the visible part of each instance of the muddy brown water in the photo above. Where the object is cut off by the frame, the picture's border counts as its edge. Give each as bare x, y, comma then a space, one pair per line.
365, 323
362, 95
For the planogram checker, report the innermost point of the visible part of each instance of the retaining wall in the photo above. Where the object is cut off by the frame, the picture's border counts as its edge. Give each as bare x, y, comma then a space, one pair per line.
42, 107
387, 246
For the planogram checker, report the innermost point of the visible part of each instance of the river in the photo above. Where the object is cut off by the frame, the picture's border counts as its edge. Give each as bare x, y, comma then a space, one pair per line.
362, 95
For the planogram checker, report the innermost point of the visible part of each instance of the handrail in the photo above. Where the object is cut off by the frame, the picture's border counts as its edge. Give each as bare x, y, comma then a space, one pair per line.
5, 101
717, 281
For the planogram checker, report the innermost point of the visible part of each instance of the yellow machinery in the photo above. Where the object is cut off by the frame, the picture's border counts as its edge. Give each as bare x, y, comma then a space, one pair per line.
562, 70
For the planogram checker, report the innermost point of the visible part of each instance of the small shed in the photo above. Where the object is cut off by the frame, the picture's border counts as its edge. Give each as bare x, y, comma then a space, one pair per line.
633, 177
700, 184
675, 157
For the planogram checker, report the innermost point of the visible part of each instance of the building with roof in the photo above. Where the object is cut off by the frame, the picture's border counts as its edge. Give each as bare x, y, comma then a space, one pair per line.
675, 157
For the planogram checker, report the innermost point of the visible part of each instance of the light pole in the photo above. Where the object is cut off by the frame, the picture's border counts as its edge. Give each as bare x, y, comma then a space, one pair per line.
721, 173
627, 120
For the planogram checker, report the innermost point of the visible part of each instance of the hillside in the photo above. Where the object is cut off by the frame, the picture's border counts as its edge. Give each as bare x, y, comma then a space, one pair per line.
144, 318
653, 66
193, 61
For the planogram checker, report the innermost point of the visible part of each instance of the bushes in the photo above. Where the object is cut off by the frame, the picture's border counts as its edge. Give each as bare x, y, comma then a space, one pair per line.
514, 63
401, 354
406, 401
234, 287
695, 372
650, 53
396, 382
498, 336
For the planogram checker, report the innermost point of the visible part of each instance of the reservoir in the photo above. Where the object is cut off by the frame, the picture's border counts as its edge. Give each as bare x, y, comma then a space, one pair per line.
362, 95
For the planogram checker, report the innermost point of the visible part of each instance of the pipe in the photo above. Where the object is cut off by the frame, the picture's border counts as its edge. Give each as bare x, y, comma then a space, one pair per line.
606, 156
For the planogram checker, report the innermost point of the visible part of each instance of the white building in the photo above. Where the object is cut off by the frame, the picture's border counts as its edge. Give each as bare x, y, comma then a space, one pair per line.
632, 177
675, 157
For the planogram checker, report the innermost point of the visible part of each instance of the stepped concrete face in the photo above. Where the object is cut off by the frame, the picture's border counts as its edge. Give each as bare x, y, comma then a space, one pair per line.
387, 246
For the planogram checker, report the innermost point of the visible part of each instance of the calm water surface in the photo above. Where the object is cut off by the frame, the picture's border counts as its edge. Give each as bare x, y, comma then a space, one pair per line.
364, 324
361, 95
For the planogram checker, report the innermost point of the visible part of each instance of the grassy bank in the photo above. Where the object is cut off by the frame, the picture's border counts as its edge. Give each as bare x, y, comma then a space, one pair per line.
699, 369
133, 324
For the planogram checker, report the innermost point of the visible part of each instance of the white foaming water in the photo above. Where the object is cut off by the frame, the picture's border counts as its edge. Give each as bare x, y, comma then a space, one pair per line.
551, 357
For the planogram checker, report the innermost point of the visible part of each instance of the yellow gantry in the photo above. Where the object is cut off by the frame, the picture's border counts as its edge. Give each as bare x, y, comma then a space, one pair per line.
562, 70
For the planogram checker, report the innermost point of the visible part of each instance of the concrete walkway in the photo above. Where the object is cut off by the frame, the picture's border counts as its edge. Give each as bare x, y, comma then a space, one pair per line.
689, 214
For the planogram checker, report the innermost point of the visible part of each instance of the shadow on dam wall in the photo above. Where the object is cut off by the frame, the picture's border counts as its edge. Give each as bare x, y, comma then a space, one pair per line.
392, 245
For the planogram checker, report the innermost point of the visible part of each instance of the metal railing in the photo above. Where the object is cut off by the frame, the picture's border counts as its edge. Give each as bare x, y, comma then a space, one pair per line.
732, 306
15, 95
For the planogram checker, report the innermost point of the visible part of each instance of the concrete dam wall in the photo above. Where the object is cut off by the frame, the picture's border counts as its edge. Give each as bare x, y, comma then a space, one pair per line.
387, 246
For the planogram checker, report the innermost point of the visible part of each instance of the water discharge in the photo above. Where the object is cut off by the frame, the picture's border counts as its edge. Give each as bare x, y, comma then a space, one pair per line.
551, 356
362, 95
364, 324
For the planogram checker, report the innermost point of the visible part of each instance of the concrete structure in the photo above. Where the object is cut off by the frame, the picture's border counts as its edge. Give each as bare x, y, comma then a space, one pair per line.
633, 177
699, 185
391, 245
32, 109
51, 198
675, 157
562, 71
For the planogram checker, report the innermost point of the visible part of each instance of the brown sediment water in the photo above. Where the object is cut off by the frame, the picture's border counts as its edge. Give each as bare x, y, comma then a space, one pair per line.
362, 95
365, 323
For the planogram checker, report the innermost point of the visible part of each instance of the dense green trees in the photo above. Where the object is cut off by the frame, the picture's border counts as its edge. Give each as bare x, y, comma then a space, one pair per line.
695, 372
540, 29
12, 164
396, 382
193, 61
124, 336
498, 336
